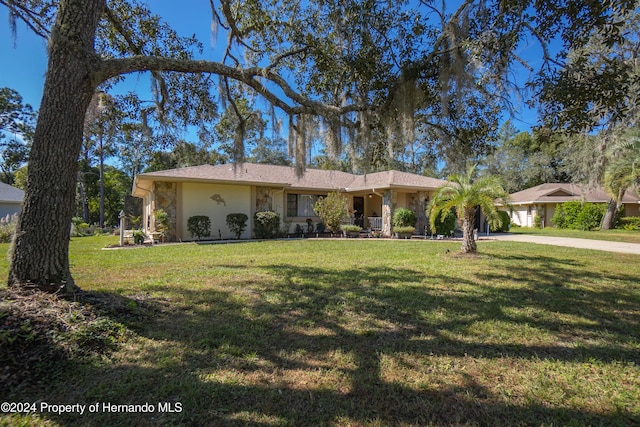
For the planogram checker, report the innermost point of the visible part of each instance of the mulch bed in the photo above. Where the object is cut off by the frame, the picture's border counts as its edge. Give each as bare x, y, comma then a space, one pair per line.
40, 333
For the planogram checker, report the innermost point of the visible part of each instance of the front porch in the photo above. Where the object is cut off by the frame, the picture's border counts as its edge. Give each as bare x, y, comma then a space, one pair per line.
373, 211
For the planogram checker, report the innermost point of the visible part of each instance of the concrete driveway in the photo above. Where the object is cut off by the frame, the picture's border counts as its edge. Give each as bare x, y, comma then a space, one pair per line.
598, 245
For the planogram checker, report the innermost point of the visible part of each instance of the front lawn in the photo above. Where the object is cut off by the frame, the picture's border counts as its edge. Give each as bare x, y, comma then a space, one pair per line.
628, 236
352, 332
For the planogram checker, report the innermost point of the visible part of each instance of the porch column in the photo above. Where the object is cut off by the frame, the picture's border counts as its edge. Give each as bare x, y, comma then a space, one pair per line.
388, 203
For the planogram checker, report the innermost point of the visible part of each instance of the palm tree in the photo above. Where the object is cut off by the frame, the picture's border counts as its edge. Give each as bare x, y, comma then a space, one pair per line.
466, 194
622, 173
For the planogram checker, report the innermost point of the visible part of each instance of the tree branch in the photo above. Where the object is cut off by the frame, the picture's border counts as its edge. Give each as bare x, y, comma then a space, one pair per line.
139, 50
26, 15
251, 77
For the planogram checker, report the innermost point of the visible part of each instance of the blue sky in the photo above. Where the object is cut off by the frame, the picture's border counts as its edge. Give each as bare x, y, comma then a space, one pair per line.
24, 64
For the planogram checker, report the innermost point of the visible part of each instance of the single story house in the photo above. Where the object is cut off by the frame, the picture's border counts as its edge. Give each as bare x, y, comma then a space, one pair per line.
219, 190
10, 200
543, 199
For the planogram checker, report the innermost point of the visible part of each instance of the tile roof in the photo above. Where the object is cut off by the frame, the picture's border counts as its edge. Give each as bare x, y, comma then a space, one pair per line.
259, 174
10, 194
564, 192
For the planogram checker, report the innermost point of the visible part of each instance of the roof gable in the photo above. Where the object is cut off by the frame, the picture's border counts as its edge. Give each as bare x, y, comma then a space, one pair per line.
560, 193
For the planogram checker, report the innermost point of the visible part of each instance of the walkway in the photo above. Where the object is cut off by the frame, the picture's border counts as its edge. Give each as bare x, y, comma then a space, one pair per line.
598, 245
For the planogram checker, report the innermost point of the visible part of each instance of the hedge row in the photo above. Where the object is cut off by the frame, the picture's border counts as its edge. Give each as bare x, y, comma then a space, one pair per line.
578, 215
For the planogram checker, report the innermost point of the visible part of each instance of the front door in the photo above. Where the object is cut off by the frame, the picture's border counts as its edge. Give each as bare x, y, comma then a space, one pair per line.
358, 207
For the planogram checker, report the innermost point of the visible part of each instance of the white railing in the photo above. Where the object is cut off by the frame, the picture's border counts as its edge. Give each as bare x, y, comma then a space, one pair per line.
375, 222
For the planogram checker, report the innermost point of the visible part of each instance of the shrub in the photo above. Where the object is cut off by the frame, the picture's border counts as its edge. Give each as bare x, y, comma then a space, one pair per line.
8, 228
162, 220
404, 217
138, 237
590, 216
577, 215
79, 228
266, 225
505, 222
559, 219
571, 212
537, 221
332, 209
629, 223
199, 226
237, 222
447, 225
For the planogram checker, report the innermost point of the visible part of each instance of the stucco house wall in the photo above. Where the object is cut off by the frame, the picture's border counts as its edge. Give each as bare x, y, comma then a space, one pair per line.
520, 216
9, 209
215, 201
632, 209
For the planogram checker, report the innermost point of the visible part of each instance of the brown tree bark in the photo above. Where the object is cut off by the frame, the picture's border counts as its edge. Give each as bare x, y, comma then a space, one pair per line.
468, 242
609, 220
40, 253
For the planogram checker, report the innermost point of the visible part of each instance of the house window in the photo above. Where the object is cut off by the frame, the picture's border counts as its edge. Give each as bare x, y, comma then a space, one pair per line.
301, 204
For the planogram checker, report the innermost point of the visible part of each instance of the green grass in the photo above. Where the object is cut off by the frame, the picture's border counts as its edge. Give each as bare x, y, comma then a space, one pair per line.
628, 236
359, 332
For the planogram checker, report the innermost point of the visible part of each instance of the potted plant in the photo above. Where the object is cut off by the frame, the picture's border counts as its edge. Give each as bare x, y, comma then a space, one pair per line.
350, 230
161, 223
138, 237
404, 221
309, 222
404, 232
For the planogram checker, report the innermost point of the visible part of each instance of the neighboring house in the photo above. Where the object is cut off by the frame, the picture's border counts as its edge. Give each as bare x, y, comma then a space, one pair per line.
543, 199
217, 191
10, 200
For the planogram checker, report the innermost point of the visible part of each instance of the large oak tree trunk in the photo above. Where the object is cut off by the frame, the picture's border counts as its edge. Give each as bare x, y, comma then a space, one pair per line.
40, 253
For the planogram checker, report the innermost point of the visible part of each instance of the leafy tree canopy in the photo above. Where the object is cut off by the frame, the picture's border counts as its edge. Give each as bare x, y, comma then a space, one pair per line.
521, 160
15, 117
441, 69
16, 130
598, 86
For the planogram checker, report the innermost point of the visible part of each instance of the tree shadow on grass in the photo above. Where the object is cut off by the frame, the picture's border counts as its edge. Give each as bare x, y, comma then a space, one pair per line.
377, 346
